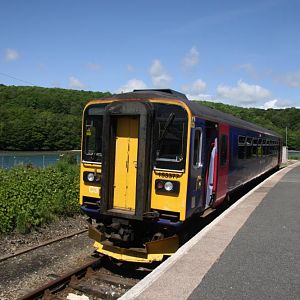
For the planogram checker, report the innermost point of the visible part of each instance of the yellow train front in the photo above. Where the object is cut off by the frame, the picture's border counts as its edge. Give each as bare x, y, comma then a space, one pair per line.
134, 173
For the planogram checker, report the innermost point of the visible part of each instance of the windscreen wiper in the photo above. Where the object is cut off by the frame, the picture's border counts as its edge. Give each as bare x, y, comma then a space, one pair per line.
167, 125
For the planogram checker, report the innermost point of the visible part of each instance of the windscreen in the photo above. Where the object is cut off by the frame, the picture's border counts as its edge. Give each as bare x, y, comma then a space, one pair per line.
170, 134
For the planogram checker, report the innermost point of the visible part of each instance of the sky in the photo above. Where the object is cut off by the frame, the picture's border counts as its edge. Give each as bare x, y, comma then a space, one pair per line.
244, 53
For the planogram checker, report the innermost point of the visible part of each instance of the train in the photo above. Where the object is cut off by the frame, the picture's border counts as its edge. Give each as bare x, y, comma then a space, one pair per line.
151, 160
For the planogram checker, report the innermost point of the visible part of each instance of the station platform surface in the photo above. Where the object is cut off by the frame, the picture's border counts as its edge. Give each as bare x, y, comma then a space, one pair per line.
251, 251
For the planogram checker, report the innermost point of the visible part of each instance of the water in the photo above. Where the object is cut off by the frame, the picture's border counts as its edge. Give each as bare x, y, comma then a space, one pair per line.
293, 153
9, 159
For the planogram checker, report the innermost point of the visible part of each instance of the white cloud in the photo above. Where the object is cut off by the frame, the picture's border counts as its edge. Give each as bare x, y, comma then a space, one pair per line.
191, 59
130, 68
160, 77
132, 84
249, 69
292, 79
11, 55
195, 90
277, 103
243, 93
75, 83
93, 66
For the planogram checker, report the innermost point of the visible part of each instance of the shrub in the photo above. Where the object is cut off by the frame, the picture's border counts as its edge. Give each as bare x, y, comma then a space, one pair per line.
33, 196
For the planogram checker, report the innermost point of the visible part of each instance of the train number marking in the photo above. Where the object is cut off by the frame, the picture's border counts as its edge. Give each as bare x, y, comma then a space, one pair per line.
94, 189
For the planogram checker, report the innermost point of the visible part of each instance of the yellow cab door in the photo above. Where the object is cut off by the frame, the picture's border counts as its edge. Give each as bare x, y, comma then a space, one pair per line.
126, 152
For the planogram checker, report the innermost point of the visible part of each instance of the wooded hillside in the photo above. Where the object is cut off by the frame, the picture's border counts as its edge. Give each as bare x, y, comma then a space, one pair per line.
274, 119
36, 118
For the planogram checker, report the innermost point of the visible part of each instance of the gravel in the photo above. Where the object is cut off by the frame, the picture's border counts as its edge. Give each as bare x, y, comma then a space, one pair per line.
30, 270
11, 243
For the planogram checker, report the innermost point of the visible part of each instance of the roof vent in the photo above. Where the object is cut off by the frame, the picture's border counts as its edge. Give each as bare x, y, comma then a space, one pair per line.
167, 91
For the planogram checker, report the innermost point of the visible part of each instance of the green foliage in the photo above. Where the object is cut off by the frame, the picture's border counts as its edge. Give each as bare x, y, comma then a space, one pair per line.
274, 119
69, 158
35, 118
295, 157
33, 196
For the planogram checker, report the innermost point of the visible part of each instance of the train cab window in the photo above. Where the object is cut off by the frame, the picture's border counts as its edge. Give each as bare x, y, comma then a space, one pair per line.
197, 148
170, 133
92, 142
171, 142
249, 147
241, 147
223, 150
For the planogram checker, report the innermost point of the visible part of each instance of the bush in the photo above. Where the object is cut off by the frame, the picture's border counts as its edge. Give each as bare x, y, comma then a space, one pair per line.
33, 196
295, 157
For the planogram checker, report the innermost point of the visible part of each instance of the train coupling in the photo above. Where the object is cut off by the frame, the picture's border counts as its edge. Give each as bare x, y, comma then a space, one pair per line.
154, 250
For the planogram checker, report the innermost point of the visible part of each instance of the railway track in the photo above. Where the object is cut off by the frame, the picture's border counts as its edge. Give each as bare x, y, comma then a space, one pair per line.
49, 242
101, 278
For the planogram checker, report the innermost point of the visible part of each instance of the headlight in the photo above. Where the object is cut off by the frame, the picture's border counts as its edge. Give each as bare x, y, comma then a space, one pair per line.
159, 185
168, 186
90, 177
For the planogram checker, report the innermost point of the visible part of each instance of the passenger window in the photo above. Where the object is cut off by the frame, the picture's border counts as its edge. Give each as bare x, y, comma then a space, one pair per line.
249, 147
264, 144
254, 148
241, 147
268, 152
259, 148
197, 148
223, 150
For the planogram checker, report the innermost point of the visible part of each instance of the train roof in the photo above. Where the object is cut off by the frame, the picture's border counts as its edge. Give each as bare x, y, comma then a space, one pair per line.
196, 108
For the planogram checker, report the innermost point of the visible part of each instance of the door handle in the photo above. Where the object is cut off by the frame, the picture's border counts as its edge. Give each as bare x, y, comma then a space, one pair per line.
198, 183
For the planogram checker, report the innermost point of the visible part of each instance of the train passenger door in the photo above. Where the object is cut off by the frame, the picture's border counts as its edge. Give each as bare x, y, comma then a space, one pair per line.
223, 164
125, 167
211, 176
196, 170
211, 164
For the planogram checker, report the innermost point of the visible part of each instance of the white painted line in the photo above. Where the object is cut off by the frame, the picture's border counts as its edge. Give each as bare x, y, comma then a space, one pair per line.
140, 287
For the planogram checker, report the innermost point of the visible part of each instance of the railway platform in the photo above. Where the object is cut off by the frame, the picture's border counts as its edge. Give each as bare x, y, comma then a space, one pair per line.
251, 251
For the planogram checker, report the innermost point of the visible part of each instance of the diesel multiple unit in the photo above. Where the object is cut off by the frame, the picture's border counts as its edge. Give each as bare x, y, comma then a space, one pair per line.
152, 159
